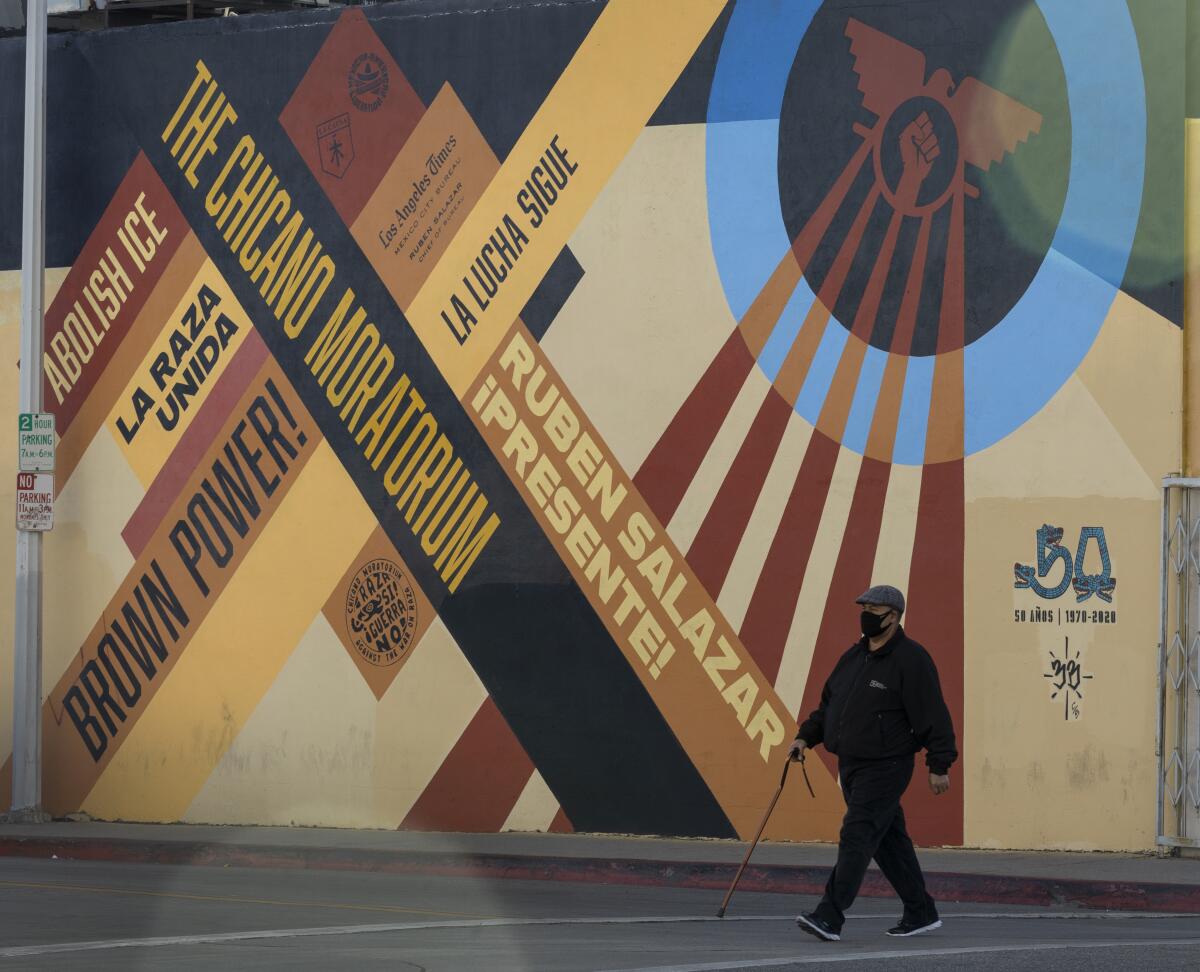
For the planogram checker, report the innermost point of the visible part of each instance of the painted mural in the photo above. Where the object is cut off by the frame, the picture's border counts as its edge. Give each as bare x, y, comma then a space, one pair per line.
483, 416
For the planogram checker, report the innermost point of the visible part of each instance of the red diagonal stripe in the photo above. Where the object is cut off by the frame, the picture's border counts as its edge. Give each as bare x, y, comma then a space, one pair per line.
560, 824
478, 784
935, 618
194, 442
673, 462
721, 533
141, 182
851, 576
773, 604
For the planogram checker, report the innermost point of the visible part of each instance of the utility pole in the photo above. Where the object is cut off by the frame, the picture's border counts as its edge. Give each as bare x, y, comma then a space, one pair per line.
27, 643
1190, 460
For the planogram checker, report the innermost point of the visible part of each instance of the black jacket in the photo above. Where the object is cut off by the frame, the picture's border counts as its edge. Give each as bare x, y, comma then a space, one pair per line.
885, 703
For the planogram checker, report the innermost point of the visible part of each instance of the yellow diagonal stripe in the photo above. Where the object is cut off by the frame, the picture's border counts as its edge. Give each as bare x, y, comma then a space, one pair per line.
175, 362
239, 649
620, 74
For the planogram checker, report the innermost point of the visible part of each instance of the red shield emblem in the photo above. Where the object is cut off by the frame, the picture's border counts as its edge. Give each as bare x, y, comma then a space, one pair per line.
336, 145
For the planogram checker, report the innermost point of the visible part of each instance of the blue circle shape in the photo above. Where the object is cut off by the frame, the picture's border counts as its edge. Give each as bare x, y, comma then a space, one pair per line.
1014, 369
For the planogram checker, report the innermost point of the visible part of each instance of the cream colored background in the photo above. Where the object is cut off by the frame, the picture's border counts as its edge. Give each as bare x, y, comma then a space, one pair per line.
643, 323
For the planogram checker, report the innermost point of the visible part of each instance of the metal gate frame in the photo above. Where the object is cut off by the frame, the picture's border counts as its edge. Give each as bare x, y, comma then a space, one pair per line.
1178, 743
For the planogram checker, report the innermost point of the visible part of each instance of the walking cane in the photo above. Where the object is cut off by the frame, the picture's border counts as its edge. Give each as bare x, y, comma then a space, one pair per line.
761, 827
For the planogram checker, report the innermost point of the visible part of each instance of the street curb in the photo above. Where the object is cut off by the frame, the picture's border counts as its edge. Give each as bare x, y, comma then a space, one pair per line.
777, 878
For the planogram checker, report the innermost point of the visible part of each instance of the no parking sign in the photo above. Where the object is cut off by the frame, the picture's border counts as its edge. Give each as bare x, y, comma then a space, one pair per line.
35, 501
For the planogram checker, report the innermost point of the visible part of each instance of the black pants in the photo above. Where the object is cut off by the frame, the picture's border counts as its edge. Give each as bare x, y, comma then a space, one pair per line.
874, 828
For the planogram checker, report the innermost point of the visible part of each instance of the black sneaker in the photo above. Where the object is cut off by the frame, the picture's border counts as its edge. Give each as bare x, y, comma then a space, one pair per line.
907, 929
818, 929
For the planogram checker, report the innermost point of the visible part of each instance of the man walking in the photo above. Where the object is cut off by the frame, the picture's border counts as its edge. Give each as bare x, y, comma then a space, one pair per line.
882, 704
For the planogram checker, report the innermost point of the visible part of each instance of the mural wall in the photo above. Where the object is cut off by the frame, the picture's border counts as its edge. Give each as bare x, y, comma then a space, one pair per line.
481, 416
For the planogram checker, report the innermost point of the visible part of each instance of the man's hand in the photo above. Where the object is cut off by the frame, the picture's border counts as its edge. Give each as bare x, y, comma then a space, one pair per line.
939, 784
797, 750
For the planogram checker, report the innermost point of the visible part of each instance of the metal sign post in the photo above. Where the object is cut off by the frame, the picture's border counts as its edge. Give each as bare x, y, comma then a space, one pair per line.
27, 643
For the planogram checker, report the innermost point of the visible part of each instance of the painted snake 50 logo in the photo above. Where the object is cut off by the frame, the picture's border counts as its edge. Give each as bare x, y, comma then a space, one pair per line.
1050, 550
381, 612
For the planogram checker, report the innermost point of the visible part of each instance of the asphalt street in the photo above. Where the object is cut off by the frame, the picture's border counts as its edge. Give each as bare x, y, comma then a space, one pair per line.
75, 915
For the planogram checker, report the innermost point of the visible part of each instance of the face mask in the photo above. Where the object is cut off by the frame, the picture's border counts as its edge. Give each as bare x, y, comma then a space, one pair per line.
873, 624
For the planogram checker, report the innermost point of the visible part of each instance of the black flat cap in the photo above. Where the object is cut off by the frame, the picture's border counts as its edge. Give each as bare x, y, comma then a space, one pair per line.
884, 595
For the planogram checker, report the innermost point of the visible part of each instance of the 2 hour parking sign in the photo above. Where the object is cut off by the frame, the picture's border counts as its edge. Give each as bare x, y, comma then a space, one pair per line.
35, 442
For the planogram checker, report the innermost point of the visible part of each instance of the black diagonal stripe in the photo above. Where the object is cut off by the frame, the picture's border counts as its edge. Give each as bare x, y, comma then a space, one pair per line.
526, 628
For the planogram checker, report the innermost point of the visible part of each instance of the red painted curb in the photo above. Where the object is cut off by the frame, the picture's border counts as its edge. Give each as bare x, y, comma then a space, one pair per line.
777, 878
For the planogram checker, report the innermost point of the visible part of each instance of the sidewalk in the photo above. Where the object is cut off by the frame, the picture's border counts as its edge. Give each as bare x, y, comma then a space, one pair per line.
1124, 882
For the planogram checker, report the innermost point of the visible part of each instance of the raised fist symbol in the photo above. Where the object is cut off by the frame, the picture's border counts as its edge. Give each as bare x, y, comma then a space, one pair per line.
918, 148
